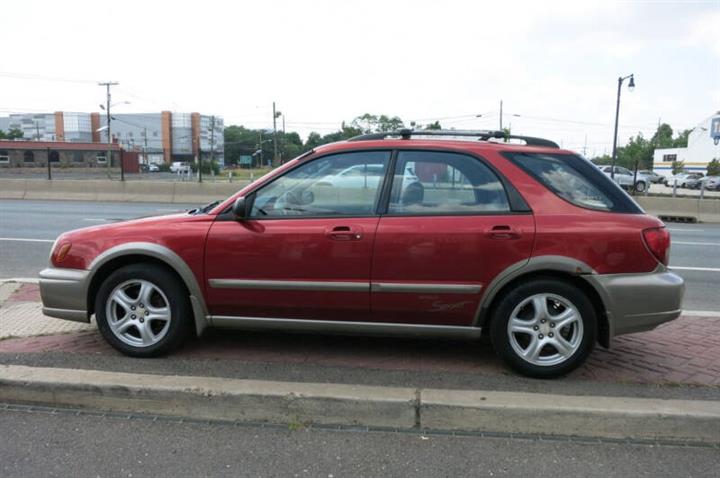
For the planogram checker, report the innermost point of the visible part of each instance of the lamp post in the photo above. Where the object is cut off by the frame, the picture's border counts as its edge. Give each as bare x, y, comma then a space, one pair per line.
631, 86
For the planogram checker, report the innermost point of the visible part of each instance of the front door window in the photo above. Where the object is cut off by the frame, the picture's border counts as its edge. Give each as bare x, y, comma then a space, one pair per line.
346, 184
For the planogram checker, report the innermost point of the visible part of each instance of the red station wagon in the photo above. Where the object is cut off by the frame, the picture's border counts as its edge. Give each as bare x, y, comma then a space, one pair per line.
413, 233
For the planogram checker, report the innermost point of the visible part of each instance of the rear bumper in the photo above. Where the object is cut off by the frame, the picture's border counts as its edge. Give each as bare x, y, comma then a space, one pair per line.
64, 293
639, 302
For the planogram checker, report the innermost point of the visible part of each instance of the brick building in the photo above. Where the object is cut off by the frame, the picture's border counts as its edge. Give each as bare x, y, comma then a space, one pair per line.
34, 154
159, 137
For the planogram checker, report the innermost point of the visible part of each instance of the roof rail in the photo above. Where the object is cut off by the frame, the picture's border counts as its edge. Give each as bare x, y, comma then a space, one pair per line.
482, 135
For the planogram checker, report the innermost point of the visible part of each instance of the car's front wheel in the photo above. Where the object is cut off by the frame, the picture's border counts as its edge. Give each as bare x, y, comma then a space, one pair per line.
544, 328
640, 187
142, 310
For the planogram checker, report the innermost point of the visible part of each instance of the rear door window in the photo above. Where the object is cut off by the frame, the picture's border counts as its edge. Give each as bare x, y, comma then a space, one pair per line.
441, 183
576, 180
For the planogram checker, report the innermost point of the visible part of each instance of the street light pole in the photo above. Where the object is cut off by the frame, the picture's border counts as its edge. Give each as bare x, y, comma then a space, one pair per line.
631, 86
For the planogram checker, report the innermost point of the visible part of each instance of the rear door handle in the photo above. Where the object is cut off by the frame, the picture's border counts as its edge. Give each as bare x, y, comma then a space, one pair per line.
344, 233
503, 231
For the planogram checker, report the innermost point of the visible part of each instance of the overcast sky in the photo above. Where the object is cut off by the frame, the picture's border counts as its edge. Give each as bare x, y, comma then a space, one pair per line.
555, 64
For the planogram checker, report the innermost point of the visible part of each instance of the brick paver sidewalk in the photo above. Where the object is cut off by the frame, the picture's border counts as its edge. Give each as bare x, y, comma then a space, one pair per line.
685, 351
21, 314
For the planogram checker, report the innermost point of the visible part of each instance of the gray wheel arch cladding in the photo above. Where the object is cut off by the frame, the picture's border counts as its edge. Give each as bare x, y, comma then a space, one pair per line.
170, 259
539, 264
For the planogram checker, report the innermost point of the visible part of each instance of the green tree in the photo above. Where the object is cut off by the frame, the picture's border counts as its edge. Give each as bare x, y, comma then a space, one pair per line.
13, 133
604, 159
241, 141
678, 167
682, 140
368, 123
663, 137
713, 167
435, 125
637, 153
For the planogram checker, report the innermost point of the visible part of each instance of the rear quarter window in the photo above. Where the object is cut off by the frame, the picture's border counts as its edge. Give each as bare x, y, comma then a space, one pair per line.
576, 180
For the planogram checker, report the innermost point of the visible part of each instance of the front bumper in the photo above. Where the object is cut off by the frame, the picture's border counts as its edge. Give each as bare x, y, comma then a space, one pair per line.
639, 302
64, 293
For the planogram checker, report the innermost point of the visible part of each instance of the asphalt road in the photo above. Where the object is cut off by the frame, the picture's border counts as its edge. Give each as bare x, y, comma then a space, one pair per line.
65, 444
28, 229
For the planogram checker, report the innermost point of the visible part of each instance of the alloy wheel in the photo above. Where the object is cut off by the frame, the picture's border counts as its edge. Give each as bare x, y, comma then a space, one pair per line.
545, 329
138, 313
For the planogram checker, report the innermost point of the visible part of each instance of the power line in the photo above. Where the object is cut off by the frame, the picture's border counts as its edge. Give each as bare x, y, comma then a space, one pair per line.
30, 76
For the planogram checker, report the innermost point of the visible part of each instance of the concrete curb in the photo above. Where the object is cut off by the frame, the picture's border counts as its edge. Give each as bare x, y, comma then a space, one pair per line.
370, 406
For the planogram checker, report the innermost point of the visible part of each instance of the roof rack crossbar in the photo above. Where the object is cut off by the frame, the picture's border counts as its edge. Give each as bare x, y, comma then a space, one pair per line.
482, 135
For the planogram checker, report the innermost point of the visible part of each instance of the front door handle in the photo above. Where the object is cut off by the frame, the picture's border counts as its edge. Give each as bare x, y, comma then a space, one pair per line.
503, 231
344, 233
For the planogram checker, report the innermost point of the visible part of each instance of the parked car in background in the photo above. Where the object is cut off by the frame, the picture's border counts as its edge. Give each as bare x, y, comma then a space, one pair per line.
652, 176
712, 183
387, 234
180, 167
153, 168
682, 179
708, 182
624, 177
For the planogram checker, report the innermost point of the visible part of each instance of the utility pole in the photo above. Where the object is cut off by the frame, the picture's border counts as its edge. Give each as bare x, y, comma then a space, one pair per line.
37, 131
275, 148
48, 164
212, 141
147, 163
585, 147
501, 115
107, 86
260, 142
199, 160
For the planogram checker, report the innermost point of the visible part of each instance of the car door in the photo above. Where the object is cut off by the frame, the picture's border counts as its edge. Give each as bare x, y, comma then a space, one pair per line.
448, 231
305, 250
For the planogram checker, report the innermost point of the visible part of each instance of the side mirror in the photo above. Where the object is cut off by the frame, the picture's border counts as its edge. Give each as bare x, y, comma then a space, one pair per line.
240, 208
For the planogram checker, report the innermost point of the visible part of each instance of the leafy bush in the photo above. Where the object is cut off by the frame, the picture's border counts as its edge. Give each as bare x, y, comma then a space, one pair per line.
206, 167
713, 167
678, 167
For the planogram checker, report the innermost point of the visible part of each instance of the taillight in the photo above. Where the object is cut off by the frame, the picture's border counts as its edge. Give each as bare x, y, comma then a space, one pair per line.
657, 240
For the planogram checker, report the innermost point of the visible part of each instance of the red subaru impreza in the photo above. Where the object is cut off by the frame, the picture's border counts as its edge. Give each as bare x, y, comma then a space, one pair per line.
450, 234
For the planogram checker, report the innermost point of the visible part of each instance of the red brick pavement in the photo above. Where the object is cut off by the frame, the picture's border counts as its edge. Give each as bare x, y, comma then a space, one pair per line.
25, 293
685, 351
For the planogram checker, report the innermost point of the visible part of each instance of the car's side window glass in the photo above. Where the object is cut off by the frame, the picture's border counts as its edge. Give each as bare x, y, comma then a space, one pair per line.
345, 184
436, 183
574, 179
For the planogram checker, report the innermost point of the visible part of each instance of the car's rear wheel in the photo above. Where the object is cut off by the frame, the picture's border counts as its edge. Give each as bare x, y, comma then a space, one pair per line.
640, 187
545, 328
142, 310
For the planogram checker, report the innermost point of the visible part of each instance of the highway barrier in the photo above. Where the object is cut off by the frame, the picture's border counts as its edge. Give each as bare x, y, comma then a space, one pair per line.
116, 191
667, 208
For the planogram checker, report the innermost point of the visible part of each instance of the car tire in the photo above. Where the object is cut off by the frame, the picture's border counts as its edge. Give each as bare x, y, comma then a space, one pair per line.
527, 334
640, 186
143, 310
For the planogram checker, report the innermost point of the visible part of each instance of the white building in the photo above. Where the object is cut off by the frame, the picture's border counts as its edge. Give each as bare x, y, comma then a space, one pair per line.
703, 146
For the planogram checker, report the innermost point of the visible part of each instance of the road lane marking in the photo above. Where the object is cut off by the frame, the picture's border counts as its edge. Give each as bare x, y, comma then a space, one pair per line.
685, 230
701, 313
685, 243
24, 239
702, 269
94, 220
